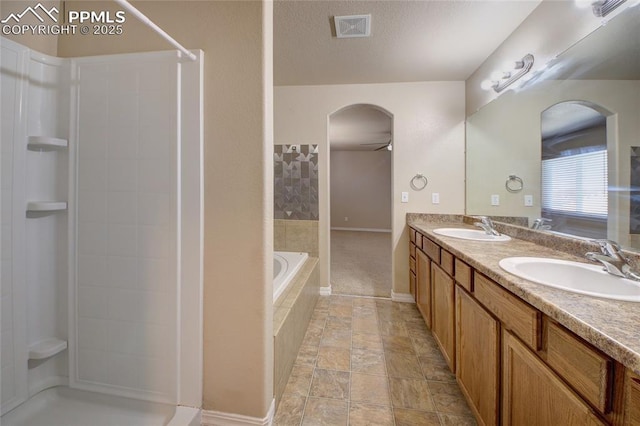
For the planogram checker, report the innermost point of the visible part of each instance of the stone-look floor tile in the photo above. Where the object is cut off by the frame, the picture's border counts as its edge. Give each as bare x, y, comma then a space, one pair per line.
398, 344
299, 381
364, 340
290, 409
317, 323
330, 358
411, 393
417, 328
320, 411
341, 300
406, 417
361, 414
340, 310
307, 356
368, 361
338, 323
364, 311
436, 370
312, 337
365, 324
427, 348
336, 338
448, 399
370, 389
453, 420
403, 365
330, 384
392, 328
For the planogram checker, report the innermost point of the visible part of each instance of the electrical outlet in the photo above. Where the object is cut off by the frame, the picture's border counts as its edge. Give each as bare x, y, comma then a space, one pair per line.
495, 200
528, 200
405, 197
435, 198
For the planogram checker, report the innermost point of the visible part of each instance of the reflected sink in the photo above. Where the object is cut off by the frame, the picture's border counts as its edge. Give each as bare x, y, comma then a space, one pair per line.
470, 234
576, 277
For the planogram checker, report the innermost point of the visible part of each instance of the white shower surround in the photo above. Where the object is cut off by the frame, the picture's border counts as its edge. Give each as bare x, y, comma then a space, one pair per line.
135, 221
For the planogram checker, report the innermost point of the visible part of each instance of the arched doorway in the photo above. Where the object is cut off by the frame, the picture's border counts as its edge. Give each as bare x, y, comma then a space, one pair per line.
360, 191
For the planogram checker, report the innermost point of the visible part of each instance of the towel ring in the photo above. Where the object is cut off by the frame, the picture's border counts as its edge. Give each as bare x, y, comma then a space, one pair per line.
514, 184
419, 182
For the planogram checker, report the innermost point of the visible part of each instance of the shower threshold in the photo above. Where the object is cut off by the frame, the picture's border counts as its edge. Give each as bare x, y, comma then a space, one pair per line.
63, 406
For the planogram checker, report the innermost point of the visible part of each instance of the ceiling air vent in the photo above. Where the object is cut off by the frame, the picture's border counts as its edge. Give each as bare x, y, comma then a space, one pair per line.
353, 26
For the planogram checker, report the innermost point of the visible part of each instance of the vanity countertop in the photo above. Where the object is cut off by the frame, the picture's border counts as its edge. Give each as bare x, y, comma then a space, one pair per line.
610, 325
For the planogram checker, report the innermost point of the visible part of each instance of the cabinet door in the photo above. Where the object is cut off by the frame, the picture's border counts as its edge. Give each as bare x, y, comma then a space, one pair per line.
633, 400
533, 395
443, 313
423, 286
478, 357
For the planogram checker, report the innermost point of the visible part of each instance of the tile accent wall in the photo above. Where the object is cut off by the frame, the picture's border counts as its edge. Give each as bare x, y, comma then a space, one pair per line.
296, 235
296, 182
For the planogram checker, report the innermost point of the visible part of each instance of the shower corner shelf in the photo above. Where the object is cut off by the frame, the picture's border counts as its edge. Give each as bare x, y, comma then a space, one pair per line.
46, 143
46, 206
46, 348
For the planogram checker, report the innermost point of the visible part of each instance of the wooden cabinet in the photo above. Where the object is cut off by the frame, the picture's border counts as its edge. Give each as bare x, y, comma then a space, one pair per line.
423, 286
443, 313
478, 357
532, 394
632, 415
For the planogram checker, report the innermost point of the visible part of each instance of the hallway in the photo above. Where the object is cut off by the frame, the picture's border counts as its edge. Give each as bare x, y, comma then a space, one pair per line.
368, 361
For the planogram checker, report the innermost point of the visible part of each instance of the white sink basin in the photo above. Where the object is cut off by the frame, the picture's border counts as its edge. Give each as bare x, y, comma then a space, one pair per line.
576, 277
470, 234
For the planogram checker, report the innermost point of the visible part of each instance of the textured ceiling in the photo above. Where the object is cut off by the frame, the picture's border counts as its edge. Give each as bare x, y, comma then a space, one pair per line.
410, 40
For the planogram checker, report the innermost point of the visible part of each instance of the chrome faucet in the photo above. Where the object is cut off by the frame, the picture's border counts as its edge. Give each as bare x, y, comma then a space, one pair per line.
541, 224
487, 224
612, 260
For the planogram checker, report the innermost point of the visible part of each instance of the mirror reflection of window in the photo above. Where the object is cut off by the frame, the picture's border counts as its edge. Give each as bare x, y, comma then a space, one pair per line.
574, 169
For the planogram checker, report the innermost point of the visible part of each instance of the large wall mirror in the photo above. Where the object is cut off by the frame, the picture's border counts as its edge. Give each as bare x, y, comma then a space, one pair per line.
572, 135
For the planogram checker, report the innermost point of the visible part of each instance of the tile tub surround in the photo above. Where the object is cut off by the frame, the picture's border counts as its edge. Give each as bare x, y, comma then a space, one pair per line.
291, 315
296, 235
295, 178
610, 325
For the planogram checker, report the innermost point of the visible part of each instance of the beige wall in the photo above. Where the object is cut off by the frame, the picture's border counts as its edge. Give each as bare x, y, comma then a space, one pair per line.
361, 189
238, 305
47, 44
428, 129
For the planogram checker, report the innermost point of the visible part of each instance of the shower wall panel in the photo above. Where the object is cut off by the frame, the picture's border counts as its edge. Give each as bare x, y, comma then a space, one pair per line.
127, 282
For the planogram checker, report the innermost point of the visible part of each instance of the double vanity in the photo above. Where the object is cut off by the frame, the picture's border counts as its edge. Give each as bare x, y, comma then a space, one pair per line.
535, 333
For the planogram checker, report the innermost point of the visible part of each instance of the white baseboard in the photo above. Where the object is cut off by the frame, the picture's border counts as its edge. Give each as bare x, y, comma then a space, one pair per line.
361, 229
402, 297
325, 291
218, 418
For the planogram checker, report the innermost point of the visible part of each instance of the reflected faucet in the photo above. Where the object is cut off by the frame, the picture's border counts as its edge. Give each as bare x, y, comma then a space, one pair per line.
542, 224
612, 260
487, 224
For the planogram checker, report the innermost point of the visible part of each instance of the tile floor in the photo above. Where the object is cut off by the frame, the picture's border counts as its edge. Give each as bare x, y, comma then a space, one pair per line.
369, 361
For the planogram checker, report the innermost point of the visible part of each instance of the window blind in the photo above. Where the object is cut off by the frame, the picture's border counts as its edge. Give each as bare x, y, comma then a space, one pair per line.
576, 184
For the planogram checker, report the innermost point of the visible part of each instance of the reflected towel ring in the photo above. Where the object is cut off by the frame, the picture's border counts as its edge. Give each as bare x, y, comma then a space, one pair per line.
514, 184
419, 182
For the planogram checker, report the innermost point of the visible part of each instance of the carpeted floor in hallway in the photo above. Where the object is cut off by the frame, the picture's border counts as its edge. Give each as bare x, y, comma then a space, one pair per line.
361, 263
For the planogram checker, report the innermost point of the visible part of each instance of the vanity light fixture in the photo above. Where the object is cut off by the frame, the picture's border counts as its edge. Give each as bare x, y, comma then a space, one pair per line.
500, 80
602, 8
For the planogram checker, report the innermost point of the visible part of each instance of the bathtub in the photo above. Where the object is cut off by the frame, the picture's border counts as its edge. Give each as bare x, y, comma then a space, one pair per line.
285, 266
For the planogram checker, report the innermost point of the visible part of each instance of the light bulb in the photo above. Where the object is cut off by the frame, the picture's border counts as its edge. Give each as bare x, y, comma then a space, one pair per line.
487, 85
499, 75
389, 147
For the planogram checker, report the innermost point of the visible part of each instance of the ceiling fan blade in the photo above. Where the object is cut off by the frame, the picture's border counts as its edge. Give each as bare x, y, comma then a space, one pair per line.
381, 148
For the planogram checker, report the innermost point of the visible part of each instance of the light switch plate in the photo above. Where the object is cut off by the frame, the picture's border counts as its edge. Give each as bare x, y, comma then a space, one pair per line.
528, 200
435, 198
495, 200
405, 197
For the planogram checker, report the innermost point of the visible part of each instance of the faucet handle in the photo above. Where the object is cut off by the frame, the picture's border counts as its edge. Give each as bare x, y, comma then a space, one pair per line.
609, 247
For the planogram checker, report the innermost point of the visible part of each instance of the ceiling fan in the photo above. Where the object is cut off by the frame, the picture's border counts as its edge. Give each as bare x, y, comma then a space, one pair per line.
385, 145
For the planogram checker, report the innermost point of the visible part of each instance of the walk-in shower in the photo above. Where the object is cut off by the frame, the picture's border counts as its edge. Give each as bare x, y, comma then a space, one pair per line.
101, 228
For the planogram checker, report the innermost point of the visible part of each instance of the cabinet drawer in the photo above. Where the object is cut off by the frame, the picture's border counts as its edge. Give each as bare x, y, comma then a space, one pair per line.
463, 274
583, 367
412, 250
446, 261
431, 249
412, 265
515, 315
